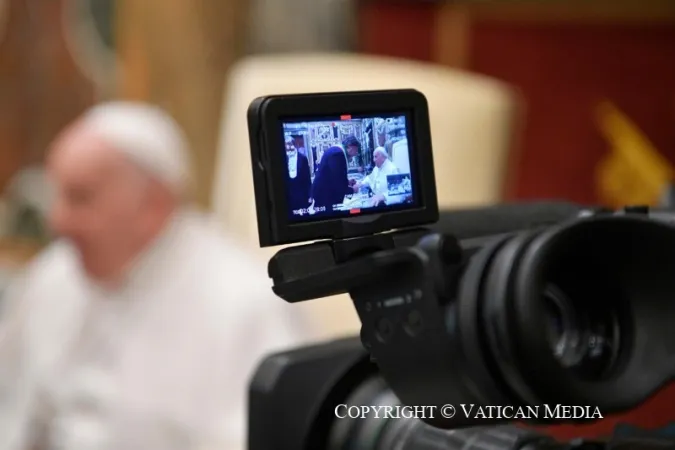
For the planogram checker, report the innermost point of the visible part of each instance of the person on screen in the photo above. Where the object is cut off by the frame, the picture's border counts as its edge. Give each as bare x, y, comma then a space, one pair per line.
299, 142
377, 180
353, 147
299, 180
331, 183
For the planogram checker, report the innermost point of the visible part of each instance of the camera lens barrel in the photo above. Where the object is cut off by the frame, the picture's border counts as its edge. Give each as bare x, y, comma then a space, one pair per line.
563, 315
416, 435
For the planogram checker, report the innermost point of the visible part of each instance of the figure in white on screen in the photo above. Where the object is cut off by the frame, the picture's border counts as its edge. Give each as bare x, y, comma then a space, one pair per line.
377, 179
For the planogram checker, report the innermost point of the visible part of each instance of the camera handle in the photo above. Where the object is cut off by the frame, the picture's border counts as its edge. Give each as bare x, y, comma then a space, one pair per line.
323, 269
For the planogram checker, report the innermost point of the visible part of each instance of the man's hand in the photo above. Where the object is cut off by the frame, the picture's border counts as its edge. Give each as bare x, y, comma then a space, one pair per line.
356, 187
352, 182
377, 199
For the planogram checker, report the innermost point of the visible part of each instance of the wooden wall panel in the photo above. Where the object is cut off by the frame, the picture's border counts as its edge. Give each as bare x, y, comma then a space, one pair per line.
563, 72
452, 35
574, 11
13, 69
41, 88
177, 54
397, 29
633, 43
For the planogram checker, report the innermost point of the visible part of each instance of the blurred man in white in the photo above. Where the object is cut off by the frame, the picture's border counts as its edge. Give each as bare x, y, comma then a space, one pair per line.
377, 179
139, 329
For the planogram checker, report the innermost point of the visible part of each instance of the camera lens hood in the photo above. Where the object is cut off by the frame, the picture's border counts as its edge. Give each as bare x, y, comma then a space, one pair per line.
614, 277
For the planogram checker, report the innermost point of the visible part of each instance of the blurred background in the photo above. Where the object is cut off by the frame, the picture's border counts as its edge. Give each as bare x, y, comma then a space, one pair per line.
588, 79
528, 99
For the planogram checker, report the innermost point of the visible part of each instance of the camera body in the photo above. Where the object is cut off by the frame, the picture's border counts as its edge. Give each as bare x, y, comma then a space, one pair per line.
326, 383
342, 376
558, 312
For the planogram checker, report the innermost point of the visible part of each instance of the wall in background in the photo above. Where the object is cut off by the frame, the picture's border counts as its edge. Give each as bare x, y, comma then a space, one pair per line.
564, 59
398, 29
564, 71
177, 54
58, 57
41, 86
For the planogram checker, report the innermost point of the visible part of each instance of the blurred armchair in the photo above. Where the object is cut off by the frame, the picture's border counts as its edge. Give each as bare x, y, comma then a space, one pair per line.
472, 124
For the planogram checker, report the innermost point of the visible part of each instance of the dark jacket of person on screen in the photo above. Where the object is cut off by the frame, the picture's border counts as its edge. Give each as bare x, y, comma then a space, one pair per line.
299, 181
331, 184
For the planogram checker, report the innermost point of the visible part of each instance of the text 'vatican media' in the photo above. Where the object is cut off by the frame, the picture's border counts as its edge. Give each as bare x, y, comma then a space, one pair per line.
469, 411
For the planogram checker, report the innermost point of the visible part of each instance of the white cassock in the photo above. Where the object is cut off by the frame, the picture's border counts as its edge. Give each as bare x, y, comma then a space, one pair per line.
377, 180
162, 363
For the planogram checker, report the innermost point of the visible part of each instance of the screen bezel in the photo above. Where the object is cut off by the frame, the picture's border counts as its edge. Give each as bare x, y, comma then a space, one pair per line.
266, 116
365, 211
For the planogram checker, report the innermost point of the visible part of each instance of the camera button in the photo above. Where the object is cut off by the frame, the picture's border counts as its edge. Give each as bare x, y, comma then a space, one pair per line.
384, 330
414, 323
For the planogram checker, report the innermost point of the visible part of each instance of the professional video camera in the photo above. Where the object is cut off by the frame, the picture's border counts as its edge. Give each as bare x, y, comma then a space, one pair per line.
528, 312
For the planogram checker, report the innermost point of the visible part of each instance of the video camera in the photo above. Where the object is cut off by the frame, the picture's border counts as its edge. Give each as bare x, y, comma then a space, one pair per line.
529, 318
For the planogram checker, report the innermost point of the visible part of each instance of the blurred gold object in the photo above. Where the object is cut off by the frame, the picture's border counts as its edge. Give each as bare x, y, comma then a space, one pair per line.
16, 252
634, 172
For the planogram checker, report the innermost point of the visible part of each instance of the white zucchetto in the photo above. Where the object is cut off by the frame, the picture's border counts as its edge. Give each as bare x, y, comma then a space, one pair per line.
148, 136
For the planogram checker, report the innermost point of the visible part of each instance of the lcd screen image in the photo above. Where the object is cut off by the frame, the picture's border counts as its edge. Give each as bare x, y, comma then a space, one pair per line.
348, 165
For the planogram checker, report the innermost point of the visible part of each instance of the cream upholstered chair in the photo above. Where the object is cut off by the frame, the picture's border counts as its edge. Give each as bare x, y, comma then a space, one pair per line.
471, 123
